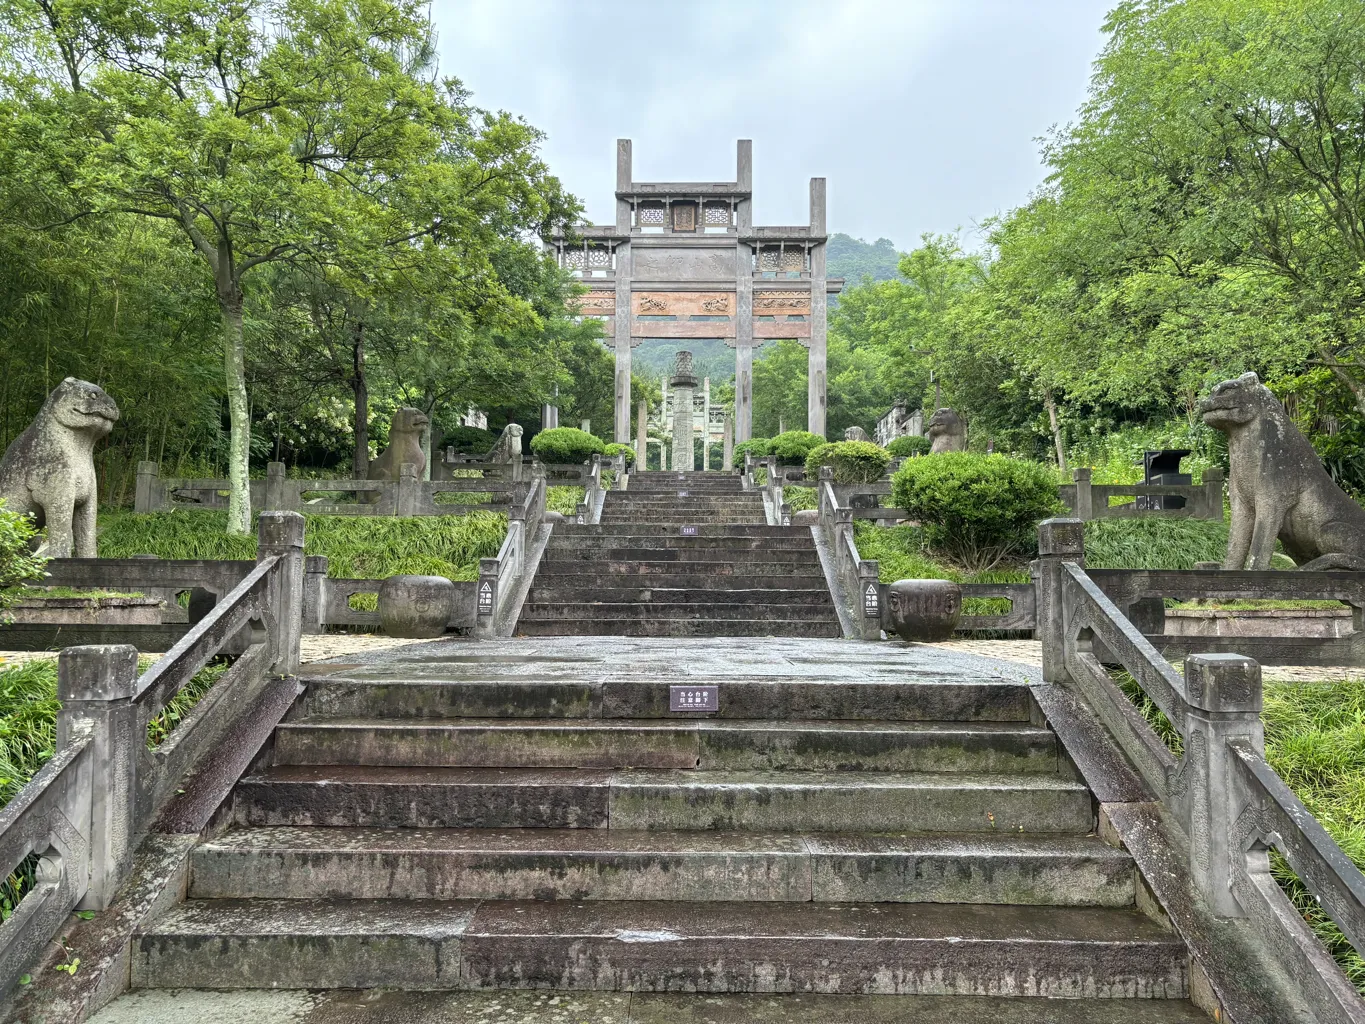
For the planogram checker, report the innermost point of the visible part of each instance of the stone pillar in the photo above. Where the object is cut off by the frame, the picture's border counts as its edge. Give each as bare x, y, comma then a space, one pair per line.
282, 533
727, 444
1224, 693
816, 363
684, 420
641, 431
621, 335
705, 423
96, 685
744, 341
1059, 541
549, 416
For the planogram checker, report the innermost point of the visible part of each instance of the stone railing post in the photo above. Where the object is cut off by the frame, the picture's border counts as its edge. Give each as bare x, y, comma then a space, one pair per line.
147, 495
1224, 694
785, 516
314, 594
406, 501
1085, 504
870, 599
1211, 496
486, 598
281, 533
581, 514
274, 487
96, 685
1059, 541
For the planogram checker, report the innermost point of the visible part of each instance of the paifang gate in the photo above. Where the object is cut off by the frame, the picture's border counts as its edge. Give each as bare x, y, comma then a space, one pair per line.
684, 260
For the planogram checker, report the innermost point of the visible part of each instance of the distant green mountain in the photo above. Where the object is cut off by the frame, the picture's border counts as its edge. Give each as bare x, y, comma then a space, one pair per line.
853, 259
711, 357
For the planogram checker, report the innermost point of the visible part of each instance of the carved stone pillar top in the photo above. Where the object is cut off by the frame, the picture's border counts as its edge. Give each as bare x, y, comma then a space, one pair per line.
683, 377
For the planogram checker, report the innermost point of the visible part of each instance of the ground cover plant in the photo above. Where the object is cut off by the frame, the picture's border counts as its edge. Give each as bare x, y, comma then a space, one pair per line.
357, 547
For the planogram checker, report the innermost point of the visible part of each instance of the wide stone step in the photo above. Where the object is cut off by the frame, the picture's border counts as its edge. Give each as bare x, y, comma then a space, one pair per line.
348, 795
768, 606
665, 595
697, 555
676, 541
622, 587
653, 743
680, 627
907, 948
663, 530
717, 572
527, 689
675, 519
617, 864
548, 1007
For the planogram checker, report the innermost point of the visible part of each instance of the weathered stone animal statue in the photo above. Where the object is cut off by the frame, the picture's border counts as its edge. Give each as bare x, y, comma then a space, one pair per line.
405, 445
856, 434
947, 432
1278, 486
49, 470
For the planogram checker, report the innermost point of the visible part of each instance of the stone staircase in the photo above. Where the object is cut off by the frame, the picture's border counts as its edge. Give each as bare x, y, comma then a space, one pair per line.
680, 554
529, 815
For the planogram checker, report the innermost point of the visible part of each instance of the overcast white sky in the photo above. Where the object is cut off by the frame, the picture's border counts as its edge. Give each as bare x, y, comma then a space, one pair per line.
923, 114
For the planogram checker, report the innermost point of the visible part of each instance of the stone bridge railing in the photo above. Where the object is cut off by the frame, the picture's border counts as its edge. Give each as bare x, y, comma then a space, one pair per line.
85, 812
858, 590
1231, 805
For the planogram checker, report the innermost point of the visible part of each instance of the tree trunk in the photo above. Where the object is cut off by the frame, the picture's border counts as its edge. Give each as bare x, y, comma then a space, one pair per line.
1056, 429
239, 415
360, 460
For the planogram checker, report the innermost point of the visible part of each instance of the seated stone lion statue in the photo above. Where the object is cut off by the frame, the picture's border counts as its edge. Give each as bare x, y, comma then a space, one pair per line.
49, 470
1278, 487
947, 431
405, 445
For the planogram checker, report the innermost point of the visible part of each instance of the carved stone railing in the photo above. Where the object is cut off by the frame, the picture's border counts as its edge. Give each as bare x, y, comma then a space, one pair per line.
501, 584
1092, 501
1231, 805
855, 579
409, 495
85, 812
589, 511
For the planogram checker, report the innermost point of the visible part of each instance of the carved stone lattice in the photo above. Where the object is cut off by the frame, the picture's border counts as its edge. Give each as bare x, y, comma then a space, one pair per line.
573, 259
717, 215
768, 258
650, 216
794, 259
599, 258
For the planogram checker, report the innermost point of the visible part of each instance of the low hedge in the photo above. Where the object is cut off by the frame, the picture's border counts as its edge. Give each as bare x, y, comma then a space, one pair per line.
792, 447
853, 462
977, 509
470, 440
909, 446
758, 447
566, 445
616, 448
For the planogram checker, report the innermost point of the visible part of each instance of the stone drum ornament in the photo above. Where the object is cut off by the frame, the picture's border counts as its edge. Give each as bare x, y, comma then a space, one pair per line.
49, 470
947, 432
923, 610
1278, 487
418, 607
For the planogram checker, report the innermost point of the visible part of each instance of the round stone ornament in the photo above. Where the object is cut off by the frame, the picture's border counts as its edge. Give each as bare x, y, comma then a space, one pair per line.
418, 607
923, 610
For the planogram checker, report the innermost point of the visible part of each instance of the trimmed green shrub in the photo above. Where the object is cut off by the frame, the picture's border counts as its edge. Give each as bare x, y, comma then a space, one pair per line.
566, 445
977, 509
628, 450
757, 447
792, 447
909, 446
853, 462
470, 440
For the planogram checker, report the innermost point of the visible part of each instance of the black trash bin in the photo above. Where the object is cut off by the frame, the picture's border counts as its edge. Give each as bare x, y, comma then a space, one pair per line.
1163, 467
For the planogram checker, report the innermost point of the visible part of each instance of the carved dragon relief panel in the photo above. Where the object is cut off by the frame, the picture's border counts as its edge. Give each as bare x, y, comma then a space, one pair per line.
683, 304
782, 303
600, 303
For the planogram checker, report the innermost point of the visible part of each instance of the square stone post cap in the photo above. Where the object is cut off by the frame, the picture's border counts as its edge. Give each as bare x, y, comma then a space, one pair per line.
1229, 683
1061, 538
97, 672
279, 530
